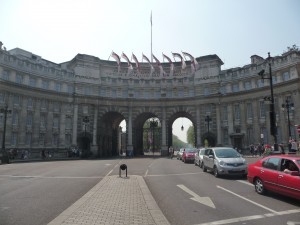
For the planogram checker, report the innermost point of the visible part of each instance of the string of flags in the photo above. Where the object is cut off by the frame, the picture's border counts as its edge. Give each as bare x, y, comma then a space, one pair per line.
194, 63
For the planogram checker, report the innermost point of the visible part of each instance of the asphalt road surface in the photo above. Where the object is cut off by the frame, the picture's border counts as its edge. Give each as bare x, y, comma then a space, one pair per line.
37, 192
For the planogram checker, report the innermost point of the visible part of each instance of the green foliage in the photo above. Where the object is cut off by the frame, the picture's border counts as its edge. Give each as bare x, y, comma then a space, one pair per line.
191, 136
177, 143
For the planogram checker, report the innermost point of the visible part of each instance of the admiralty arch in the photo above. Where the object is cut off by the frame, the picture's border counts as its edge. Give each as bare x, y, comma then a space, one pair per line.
83, 101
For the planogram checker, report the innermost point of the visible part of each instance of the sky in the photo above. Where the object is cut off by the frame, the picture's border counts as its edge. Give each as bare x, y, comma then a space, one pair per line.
57, 30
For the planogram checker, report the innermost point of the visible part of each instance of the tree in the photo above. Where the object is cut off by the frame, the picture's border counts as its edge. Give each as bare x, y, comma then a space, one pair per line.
191, 136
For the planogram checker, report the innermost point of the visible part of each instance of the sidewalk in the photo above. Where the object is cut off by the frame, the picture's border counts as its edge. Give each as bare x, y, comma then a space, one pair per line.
115, 201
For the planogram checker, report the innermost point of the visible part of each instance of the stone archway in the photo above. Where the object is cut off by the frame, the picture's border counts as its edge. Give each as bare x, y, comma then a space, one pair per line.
138, 133
170, 125
84, 141
108, 138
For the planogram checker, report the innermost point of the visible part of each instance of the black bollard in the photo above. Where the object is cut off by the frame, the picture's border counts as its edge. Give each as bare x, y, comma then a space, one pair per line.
123, 167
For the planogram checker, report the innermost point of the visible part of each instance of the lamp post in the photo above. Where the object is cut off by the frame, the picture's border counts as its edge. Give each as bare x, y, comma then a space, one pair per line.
153, 124
288, 106
207, 119
86, 120
272, 107
5, 157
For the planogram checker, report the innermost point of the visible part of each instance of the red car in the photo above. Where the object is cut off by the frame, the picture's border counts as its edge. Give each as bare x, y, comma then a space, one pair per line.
276, 173
189, 155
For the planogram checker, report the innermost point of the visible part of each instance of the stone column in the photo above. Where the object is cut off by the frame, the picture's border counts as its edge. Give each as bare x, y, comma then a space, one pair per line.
129, 132
230, 121
198, 137
94, 147
62, 127
219, 122
75, 118
22, 122
164, 147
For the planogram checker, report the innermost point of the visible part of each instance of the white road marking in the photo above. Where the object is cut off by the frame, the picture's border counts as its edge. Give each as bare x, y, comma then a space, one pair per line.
64, 177
292, 223
172, 174
146, 173
203, 200
107, 164
254, 217
255, 203
245, 182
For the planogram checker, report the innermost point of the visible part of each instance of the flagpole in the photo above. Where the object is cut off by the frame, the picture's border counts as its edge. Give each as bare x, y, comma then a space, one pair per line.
151, 37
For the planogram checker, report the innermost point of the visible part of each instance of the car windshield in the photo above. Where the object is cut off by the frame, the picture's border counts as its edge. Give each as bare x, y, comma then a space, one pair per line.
227, 153
202, 152
191, 150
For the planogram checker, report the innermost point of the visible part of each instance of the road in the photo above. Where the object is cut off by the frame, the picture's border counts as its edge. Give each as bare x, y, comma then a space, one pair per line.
36, 192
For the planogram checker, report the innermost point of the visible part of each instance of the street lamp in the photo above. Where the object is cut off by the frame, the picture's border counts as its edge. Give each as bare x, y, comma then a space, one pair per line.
207, 119
5, 157
272, 107
153, 124
288, 106
86, 120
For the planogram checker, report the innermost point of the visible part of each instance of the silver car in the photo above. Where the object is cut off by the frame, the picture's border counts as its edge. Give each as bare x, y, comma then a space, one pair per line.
224, 161
199, 157
179, 154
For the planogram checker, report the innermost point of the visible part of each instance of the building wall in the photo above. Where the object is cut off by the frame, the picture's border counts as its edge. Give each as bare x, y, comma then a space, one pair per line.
49, 101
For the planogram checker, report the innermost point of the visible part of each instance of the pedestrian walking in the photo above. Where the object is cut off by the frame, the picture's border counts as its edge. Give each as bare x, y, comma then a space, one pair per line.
252, 150
171, 152
293, 146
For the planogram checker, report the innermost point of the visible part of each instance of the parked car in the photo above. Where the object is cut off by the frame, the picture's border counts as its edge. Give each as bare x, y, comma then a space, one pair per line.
199, 157
189, 155
179, 154
276, 173
224, 161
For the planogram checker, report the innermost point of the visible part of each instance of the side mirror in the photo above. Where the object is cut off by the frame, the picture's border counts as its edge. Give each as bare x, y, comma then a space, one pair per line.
211, 156
295, 173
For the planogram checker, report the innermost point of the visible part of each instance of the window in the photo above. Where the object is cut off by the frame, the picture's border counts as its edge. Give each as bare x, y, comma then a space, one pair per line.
16, 100
271, 163
235, 88
2, 97
44, 104
43, 121
260, 83
285, 76
45, 84
14, 137
236, 112
248, 85
5, 75
249, 110
68, 122
55, 122
42, 139
262, 109
15, 118
68, 139
55, 140
29, 119
29, 103
32, 82
28, 139
56, 107
225, 113
250, 135
19, 79
70, 89
57, 87
206, 91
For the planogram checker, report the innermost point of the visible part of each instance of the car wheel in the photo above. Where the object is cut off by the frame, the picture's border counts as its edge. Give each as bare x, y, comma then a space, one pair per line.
259, 186
204, 168
216, 172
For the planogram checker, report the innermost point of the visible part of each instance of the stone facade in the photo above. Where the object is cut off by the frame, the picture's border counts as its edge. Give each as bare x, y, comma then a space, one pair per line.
83, 101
